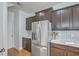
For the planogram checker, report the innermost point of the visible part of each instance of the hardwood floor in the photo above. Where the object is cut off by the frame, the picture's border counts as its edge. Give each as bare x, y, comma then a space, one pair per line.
15, 52
24, 52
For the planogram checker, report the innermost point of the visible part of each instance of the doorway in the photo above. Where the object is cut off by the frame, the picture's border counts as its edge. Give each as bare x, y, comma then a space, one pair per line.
10, 29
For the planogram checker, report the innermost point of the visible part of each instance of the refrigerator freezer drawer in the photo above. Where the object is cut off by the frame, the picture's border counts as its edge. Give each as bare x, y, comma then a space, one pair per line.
39, 51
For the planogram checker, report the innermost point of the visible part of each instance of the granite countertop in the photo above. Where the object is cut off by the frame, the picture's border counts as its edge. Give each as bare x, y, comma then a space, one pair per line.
73, 44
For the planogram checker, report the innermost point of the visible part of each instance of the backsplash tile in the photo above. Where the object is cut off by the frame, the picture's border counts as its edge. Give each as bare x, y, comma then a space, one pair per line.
68, 36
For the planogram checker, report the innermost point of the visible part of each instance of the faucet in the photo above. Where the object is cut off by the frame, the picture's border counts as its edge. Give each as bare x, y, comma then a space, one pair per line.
55, 35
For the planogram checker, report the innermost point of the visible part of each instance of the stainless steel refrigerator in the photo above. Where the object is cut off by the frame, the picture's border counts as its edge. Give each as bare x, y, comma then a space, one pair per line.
41, 35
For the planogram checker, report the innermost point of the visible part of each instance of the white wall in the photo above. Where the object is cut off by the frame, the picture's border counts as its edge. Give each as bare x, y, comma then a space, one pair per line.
3, 25
22, 27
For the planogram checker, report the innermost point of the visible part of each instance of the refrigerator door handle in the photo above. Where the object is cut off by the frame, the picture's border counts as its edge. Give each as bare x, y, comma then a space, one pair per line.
40, 33
32, 35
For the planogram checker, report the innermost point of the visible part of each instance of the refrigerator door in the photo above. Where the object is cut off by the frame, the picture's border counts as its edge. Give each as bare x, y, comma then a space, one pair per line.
44, 32
40, 32
36, 33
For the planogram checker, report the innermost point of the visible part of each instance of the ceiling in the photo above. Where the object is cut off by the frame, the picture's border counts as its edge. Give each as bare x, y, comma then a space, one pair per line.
32, 7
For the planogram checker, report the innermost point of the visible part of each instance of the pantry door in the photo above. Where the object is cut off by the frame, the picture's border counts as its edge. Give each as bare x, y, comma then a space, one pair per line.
10, 29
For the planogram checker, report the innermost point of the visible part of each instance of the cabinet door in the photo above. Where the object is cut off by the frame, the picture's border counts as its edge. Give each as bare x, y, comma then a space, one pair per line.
57, 52
57, 19
28, 23
76, 17
53, 21
72, 51
72, 54
26, 44
29, 45
66, 18
44, 14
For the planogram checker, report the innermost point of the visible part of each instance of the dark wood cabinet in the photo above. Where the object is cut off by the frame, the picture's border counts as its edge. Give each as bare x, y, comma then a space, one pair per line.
56, 20
29, 22
34, 19
66, 18
62, 19
26, 44
72, 54
63, 50
57, 52
76, 17
72, 51
44, 14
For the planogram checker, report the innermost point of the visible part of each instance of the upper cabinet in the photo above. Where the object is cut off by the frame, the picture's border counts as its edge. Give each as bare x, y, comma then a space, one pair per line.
56, 20
34, 19
44, 14
41, 15
66, 18
29, 22
76, 17
62, 19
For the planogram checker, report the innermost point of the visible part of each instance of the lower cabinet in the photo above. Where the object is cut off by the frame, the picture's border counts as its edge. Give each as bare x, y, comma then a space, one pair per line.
72, 54
57, 52
63, 50
72, 51
26, 44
